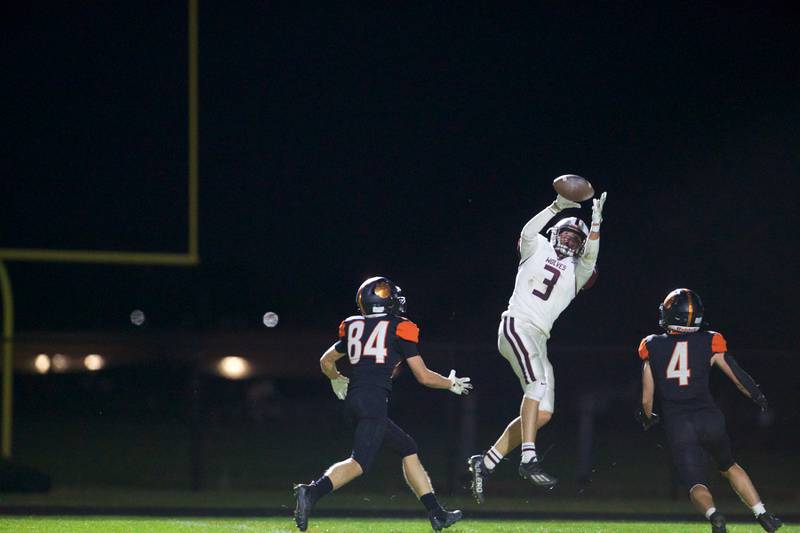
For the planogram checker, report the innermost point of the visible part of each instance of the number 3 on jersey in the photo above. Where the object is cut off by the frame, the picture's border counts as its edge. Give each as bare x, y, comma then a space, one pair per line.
678, 367
375, 345
549, 283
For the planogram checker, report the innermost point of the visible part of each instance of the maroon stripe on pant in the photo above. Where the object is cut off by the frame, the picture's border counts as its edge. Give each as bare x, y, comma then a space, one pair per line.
522, 347
514, 347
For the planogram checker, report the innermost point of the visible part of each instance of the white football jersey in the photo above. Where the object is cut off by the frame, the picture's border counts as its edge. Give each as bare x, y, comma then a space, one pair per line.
544, 287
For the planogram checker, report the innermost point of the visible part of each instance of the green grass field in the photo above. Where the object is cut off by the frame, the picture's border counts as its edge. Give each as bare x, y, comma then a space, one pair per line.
71, 524
190, 508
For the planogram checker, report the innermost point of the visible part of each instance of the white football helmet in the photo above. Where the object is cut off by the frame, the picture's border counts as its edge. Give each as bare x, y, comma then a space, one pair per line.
567, 245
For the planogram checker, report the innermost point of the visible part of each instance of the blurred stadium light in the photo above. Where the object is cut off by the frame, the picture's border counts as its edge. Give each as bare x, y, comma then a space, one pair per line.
94, 361
234, 367
42, 363
270, 319
137, 317
60, 362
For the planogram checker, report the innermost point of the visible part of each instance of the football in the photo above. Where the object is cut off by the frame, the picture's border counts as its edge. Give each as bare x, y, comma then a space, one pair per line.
573, 187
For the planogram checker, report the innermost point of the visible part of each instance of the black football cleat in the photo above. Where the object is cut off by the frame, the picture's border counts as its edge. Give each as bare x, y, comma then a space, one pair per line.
533, 471
304, 505
442, 519
717, 522
769, 522
479, 476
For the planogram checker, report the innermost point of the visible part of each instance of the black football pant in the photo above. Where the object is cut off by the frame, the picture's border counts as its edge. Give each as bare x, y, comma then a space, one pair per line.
366, 410
692, 435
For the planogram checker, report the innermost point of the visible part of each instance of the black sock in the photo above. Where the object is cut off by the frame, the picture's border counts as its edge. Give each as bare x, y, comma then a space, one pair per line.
321, 487
431, 503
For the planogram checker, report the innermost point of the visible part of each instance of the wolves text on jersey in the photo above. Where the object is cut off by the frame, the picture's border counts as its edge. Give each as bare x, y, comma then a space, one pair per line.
556, 263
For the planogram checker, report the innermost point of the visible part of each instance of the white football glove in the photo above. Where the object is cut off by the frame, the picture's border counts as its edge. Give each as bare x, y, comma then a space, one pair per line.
597, 211
562, 203
459, 385
339, 386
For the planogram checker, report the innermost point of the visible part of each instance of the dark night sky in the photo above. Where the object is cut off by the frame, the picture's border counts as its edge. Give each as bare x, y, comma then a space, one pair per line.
337, 143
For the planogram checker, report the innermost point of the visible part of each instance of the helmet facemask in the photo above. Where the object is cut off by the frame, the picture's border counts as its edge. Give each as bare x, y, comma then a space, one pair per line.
572, 244
401, 303
564, 246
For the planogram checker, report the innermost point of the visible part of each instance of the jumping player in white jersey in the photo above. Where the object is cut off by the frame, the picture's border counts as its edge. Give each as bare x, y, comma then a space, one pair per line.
550, 274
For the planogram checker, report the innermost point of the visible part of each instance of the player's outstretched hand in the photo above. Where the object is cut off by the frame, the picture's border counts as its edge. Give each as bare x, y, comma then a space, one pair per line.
761, 401
646, 422
459, 385
339, 386
597, 210
562, 203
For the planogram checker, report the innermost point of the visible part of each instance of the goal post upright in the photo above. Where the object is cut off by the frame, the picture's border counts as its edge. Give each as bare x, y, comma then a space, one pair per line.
8, 357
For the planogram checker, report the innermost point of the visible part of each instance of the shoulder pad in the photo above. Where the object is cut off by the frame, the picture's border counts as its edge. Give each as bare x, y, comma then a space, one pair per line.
407, 330
343, 323
718, 343
644, 353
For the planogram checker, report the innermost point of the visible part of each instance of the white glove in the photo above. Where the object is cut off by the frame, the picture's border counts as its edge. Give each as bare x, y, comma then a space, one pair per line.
597, 211
562, 203
339, 386
459, 385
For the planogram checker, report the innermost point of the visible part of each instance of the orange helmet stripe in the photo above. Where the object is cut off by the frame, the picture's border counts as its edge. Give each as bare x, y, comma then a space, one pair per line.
691, 308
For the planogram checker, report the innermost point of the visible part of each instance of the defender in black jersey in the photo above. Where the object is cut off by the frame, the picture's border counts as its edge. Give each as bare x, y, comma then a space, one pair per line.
677, 364
376, 342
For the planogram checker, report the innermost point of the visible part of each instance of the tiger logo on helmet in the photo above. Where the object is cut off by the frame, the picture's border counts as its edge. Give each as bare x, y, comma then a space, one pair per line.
379, 295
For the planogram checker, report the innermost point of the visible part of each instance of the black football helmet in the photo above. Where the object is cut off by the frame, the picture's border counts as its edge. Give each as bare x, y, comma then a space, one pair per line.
574, 225
682, 310
380, 295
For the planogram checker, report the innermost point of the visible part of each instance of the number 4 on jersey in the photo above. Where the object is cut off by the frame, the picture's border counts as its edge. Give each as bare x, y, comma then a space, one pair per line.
376, 343
678, 367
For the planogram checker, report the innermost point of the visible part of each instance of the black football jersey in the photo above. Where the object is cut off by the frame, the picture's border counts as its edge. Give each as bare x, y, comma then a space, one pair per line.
681, 364
375, 345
